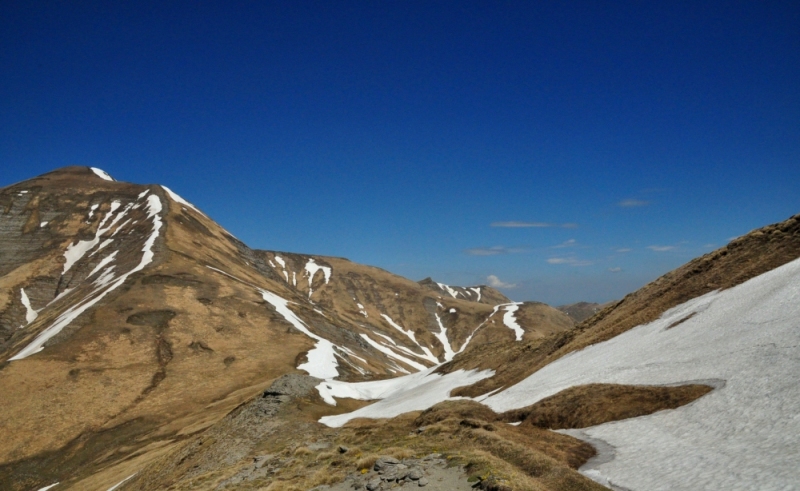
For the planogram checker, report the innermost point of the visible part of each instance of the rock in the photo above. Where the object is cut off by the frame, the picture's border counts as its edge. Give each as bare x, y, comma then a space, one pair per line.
374, 484
342, 449
423, 482
415, 474
385, 461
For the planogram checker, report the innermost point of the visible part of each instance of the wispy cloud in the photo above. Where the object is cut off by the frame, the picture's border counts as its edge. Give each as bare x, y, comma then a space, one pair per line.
514, 224
657, 248
571, 261
494, 251
615, 270
495, 282
633, 203
565, 244
623, 250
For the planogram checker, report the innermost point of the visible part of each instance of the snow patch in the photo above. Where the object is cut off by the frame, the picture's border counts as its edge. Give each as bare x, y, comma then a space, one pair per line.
410, 334
478, 291
321, 360
442, 337
102, 264
453, 293
79, 249
43, 224
311, 269
102, 174
392, 354
511, 322
48, 487
398, 395
30, 313
180, 200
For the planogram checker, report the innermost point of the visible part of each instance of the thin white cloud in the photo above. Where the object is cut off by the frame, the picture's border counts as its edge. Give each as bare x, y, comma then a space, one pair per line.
495, 282
571, 261
615, 270
632, 203
516, 224
568, 243
494, 251
657, 248
623, 250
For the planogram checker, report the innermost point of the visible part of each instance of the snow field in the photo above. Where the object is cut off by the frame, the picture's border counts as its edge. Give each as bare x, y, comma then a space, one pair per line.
741, 436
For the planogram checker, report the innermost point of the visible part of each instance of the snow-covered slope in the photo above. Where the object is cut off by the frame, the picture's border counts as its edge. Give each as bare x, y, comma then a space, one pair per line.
743, 435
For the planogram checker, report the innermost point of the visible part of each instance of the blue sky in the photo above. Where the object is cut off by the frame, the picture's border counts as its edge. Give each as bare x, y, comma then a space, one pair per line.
574, 150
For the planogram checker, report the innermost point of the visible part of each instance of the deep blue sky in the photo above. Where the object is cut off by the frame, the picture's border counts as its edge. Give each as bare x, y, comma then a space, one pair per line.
395, 133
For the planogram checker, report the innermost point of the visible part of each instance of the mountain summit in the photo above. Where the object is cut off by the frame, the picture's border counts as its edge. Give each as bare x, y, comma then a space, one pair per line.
129, 316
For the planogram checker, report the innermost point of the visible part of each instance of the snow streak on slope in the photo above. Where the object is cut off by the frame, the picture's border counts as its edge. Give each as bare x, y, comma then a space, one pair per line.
478, 291
78, 249
453, 293
103, 285
180, 200
30, 313
321, 360
112, 488
511, 322
390, 353
742, 436
428, 355
442, 337
399, 395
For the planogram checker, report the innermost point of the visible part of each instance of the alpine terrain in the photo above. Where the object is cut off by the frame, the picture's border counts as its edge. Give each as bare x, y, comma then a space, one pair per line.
144, 347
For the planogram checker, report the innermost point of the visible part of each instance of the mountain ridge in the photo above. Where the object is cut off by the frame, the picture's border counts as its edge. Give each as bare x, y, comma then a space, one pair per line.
151, 317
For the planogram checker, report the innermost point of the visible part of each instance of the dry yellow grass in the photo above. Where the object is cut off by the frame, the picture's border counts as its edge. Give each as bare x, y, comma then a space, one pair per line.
594, 404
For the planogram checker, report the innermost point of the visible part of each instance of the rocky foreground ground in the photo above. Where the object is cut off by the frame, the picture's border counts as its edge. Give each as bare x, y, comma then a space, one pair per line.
431, 472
